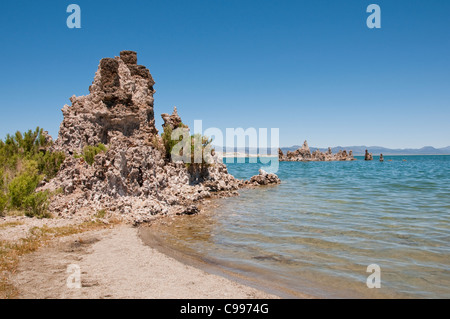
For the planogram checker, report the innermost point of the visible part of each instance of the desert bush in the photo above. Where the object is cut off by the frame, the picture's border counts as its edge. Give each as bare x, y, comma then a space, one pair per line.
167, 140
2, 181
23, 144
157, 143
89, 152
23, 185
36, 204
100, 214
49, 163
30, 145
9, 153
3, 198
200, 144
25, 159
3, 203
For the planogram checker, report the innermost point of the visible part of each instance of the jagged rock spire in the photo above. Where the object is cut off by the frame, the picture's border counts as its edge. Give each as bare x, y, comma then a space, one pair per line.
305, 146
173, 121
120, 103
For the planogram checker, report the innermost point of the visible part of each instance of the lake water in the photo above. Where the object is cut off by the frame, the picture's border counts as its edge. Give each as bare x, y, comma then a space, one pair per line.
317, 232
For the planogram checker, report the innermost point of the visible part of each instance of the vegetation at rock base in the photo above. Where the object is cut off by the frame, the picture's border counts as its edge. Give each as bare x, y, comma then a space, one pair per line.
25, 161
200, 146
100, 214
89, 152
157, 143
3, 201
167, 139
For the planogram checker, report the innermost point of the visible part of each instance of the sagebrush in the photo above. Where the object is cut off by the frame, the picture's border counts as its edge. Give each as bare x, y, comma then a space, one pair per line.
26, 159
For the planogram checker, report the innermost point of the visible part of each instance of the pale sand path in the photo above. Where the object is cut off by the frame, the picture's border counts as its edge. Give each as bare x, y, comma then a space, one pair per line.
116, 264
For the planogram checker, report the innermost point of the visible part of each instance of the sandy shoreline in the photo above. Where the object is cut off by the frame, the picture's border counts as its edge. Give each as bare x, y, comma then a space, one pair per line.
219, 268
115, 263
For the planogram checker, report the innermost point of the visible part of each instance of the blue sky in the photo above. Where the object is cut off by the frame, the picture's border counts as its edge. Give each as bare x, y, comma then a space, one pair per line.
311, 68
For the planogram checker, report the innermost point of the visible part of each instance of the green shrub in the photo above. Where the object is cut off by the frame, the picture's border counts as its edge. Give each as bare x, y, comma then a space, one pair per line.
167, 141
49, 163
9, 153
101, 213
3, 197
89, 152
23, 185
25, 145
3, 203
36, 204
2, 181
25, 159
200, 144
30, 145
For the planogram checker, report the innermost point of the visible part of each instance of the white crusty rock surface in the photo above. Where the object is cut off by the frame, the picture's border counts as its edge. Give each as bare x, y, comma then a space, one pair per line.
263, 178
133, 177
120, 104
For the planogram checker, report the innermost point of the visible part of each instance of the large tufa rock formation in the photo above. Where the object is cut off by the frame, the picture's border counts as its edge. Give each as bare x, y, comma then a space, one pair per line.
304, 154
133, 177
120, 104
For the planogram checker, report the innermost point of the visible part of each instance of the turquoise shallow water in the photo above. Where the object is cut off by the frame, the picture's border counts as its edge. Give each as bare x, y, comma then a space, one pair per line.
318, 231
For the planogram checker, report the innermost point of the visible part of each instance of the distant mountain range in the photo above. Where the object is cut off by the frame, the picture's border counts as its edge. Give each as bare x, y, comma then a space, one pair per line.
377, 150
360, 150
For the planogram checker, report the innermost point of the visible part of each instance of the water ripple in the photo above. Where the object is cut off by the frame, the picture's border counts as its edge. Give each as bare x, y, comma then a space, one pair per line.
320, 229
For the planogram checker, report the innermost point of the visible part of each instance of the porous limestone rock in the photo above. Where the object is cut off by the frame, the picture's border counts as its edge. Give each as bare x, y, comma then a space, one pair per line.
264, 178
302, 154
173, 121
120, 104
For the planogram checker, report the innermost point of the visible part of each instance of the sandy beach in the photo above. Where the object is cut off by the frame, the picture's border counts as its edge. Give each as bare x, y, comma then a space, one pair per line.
115, 263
